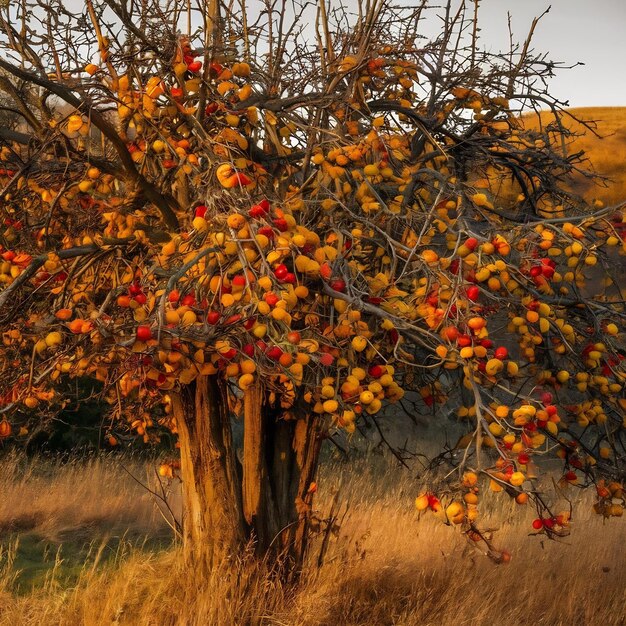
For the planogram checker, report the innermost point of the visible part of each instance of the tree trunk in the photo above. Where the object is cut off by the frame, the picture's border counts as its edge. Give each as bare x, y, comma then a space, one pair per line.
213, 526
268, 501
279, 464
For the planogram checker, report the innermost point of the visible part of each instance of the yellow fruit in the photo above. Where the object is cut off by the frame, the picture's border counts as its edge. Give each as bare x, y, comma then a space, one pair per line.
245, 380
328, 391
495, 429
469, 479
562, 376
330, 406
236, 221
455, 512
53, 339
366, 397
421, 502
517, 479
359, 343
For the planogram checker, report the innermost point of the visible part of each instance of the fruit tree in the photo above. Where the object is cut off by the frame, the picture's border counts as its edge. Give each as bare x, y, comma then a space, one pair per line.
223, 214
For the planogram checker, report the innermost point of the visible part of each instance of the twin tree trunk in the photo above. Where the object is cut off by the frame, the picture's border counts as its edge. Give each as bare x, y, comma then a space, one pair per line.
264, 498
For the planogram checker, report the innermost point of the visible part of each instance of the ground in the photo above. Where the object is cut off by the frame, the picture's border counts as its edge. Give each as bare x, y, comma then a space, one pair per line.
84, 543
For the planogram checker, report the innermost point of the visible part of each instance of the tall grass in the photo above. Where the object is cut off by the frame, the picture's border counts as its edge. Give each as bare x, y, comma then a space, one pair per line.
385, 566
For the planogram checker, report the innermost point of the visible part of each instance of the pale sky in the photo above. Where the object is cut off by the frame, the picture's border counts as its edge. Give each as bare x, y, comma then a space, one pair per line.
591, 31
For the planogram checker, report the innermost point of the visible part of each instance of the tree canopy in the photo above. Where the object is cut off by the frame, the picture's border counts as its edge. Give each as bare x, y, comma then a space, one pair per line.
312, 227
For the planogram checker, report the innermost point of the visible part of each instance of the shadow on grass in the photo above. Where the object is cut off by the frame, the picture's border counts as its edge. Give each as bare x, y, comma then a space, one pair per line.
38, 562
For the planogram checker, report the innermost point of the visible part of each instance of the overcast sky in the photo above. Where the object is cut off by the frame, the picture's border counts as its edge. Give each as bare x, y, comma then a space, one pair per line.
591, 31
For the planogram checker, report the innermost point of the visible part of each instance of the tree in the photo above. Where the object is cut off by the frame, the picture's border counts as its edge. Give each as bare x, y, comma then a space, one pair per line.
233, 221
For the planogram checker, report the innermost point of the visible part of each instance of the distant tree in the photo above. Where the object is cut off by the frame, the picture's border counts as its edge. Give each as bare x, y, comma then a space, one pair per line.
293, 218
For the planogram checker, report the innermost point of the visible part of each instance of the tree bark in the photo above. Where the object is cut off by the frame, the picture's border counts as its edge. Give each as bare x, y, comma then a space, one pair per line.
269, 501
213, 528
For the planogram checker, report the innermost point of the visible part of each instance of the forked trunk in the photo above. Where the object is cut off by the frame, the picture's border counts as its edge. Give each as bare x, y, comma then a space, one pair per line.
267, 500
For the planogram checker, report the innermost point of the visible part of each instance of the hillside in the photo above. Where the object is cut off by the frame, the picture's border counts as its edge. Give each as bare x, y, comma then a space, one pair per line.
606, 151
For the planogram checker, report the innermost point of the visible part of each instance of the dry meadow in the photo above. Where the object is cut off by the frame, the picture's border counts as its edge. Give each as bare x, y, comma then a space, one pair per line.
84, 543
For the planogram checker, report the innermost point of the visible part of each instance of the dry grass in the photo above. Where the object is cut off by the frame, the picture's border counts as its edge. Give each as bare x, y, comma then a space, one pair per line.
385, 567
56, 499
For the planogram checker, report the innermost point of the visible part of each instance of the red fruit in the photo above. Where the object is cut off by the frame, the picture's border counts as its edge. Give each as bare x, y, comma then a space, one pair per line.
141, 298
212, 317
464, 341
450, 333
537, 524
248, 349
327, 359
256, 213
546, 398
274, 353
280, 271
549, 522
471, 243
144, 333
271, 298
501, 353
433, 501
176, 92
230, 354
249, 323
338, 285
570, 475
535, 270
215, 69
173, 296
281, 224
9, 255
239, 280
260, 210
188, 300
267, 231
523, 458
211, 108
376, 371
232, 319
200, 211
473, 293
241, 179
294, 337
134, 289
486, 343
194, 66
290, 278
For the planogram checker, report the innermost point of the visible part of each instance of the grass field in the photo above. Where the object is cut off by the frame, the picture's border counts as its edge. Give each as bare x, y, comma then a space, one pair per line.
83, 543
